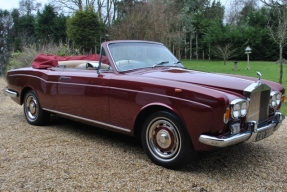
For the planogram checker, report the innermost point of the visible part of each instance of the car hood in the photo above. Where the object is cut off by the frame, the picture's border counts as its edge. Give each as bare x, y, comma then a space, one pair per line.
218, 81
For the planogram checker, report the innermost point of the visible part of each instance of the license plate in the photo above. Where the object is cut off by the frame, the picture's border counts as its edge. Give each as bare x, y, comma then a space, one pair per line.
263, 134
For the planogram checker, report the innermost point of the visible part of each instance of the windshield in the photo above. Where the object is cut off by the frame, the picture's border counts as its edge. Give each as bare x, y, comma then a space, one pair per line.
135, 55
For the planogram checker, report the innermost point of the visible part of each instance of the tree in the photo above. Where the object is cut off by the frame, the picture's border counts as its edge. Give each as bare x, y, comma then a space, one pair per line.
71, 5
107, 10
26, 7
278, 29
24, 29
49, 26
6, 31
146, 21
239, 9
225, 52
85, 30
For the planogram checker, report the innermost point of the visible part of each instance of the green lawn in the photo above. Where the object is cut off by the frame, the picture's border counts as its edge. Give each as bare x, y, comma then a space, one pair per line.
269, 70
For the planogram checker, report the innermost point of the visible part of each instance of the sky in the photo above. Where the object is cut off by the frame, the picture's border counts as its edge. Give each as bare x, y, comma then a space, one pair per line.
10, 4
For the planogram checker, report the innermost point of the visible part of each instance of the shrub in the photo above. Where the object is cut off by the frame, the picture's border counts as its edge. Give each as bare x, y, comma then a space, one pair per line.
29, 52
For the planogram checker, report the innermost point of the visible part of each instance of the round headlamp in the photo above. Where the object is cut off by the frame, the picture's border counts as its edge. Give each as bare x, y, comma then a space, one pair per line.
239, 108
278, 99
244, 109
236, 111
275, 99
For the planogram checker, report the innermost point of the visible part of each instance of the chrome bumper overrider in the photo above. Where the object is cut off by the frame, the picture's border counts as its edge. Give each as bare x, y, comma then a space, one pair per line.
11, 93
254, 134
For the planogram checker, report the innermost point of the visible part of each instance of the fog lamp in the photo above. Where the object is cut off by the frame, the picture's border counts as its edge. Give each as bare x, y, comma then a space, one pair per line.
235, 128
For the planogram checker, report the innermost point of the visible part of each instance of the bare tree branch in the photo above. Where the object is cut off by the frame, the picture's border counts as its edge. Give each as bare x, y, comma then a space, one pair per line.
278, 28
224, 51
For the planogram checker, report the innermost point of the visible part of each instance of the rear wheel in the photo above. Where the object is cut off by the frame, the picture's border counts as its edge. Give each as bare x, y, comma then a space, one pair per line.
34, 114
166, 141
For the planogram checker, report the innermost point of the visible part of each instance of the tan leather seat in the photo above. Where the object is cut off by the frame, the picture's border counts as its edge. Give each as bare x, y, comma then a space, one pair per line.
83, 66
72, 63
80, 64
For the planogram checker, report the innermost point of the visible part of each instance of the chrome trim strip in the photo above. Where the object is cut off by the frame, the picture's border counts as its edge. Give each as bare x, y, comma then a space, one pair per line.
116, 88
132, 41
259, 97
11, 93
89, 120
252, 88
248, 136
226, 141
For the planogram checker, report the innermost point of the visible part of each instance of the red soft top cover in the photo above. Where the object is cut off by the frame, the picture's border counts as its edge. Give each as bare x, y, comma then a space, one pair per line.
43, 61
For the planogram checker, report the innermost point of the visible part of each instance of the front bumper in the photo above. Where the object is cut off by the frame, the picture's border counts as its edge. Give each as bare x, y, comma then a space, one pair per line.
11, 93
253, 134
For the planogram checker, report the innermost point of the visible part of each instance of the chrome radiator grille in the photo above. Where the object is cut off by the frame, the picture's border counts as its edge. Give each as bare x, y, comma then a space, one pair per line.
259, 96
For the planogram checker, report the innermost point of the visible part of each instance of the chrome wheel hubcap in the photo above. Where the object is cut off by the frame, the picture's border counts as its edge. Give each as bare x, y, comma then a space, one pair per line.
163, 138
31, 107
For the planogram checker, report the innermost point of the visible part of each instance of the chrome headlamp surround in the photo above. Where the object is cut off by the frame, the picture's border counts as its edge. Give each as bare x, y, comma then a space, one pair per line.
239, 108
275, 99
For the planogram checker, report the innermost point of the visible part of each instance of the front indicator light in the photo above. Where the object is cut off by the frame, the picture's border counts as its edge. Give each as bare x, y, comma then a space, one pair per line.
226, 115
282, 98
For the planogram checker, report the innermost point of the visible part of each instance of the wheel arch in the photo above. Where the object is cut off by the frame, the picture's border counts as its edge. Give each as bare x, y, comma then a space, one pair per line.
147, 111
23, 93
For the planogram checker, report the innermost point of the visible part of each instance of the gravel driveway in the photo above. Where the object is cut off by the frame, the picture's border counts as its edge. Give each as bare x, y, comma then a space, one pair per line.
70, 156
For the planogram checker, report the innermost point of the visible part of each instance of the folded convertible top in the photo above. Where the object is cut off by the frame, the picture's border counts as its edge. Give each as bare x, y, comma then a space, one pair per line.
43, 61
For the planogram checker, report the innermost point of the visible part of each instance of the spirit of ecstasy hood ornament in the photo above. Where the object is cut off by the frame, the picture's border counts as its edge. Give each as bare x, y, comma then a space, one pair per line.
259, 77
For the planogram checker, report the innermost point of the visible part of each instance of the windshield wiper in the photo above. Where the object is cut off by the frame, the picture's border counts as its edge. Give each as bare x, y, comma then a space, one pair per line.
179, 64
161, 63
175, 63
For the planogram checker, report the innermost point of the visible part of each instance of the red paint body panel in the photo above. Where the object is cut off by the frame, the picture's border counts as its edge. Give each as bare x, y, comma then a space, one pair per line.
86, 91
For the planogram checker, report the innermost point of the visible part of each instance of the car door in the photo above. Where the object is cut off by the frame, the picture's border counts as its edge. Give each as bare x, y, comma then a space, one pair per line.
84, 93
46, 87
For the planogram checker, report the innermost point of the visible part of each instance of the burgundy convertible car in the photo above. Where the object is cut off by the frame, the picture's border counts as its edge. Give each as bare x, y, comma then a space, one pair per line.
141, 89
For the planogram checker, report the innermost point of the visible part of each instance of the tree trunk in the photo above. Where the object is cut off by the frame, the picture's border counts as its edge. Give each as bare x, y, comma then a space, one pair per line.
281, 64
209, 52
185, 47
203, 57
115, 11
173, 48
179, 54
80, 5
190, 48
196, 45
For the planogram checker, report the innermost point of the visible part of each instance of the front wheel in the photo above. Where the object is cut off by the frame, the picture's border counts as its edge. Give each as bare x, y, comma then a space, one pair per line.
34, 114
166, 141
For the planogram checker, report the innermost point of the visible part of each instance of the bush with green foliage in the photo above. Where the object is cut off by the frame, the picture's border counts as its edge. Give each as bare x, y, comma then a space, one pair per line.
50, 26
85, 29
29, 52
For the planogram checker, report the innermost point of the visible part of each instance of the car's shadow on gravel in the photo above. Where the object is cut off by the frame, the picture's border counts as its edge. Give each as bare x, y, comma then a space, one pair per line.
239, 157
92, 132
245, 157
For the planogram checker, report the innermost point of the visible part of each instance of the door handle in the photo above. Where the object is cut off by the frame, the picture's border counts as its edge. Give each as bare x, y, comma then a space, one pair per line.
64, 77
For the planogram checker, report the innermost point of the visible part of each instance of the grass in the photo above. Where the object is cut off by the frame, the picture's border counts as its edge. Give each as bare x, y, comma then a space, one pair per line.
269, 70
